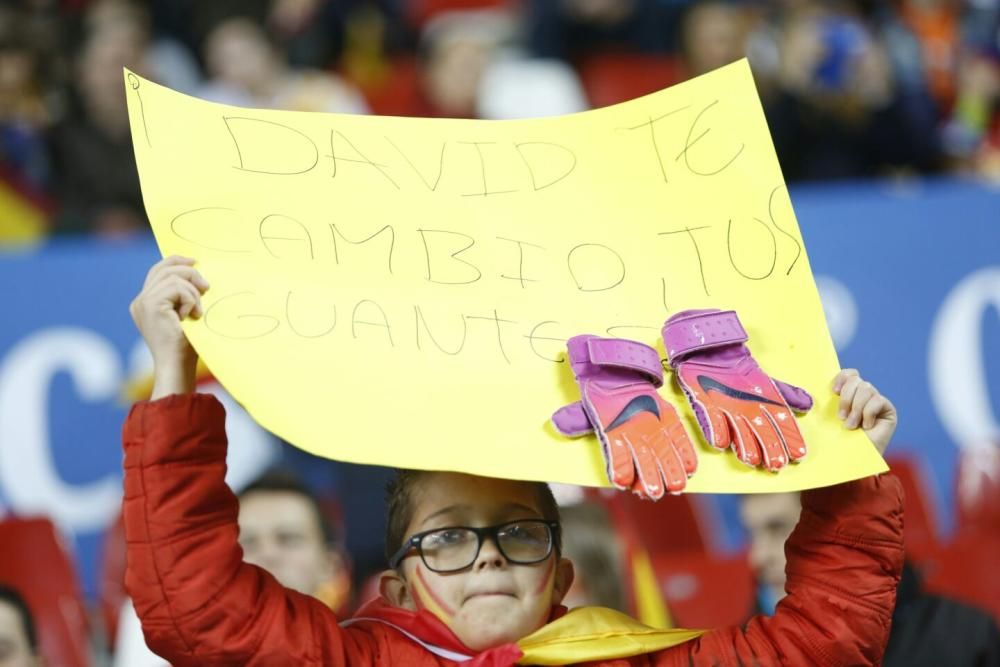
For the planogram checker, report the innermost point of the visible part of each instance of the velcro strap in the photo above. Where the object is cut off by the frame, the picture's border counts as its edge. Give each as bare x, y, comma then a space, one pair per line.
702, 331
622, 354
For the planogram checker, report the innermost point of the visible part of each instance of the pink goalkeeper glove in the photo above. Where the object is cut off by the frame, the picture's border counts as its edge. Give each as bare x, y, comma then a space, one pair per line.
645, 446
737, 404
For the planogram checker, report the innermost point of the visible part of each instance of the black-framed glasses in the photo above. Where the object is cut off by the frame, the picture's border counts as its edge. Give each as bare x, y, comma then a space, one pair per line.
455, 548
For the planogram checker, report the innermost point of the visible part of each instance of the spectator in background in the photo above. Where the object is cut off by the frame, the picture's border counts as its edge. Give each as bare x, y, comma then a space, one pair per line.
926, 629
572, 29
246, 69
18, 641
97, 184
24, 114
713, 34
591, 542
835, 105
456, 49
284, 530
972, 128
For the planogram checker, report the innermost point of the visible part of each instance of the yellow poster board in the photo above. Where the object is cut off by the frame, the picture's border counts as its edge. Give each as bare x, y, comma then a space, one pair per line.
398, 291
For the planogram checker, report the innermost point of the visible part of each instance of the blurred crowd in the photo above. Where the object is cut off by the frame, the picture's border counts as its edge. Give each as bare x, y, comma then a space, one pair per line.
851, 89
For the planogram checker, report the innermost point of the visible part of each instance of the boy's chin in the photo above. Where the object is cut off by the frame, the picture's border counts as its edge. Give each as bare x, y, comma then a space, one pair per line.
482, 629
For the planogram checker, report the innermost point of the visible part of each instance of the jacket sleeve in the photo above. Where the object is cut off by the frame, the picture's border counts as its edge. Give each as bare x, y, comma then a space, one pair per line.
844, 561
199, 603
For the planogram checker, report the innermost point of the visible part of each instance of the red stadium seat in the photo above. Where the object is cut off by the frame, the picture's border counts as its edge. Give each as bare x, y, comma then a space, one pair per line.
34, 562
610, 78
920, 530
967, 570
421, 11
705, 592
111, 588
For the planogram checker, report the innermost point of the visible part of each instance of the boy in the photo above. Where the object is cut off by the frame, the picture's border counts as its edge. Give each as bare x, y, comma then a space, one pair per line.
475, 561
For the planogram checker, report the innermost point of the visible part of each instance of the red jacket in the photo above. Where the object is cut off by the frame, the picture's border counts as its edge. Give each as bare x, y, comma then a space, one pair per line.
200, 604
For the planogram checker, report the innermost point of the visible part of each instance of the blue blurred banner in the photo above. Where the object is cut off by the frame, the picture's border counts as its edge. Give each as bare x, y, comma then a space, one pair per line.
909, 274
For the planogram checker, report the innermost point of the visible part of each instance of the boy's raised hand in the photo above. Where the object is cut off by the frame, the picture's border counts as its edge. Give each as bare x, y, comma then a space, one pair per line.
862, 405
172, 291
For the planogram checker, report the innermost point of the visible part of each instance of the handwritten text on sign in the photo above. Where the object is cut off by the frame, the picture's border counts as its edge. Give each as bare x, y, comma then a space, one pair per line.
399, 291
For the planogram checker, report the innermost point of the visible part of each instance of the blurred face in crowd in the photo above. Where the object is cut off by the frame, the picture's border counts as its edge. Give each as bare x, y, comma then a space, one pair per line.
601, 12
713, 37
116, 39
769, 519
592, 544
492, 601
281, 532
15, 650
237, 53
453, 74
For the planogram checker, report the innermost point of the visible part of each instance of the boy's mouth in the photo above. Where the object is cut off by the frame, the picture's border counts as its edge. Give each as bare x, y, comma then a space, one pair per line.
489, 594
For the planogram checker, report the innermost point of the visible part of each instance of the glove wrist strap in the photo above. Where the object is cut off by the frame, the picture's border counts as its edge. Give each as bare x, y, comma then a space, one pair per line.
701, 330
617, 354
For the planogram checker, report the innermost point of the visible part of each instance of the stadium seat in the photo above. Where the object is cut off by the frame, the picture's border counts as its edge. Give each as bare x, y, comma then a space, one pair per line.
421, 11
966, 570
111, 587
705, 592
35, 563
610, 78
920, 530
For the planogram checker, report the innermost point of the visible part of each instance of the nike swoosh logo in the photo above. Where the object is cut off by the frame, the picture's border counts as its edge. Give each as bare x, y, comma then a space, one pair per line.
710, 384
634, 407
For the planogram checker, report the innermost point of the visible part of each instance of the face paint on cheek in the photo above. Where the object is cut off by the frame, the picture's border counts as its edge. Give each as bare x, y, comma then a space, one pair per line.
426, 599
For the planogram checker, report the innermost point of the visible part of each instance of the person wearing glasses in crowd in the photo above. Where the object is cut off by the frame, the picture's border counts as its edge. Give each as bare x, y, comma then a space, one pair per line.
476, 572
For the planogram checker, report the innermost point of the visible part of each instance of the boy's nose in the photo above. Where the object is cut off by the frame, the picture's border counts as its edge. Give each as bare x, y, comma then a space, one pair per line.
489, 555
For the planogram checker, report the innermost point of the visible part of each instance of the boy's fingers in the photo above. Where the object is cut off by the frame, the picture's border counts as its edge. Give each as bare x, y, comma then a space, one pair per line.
862, 396
174, 292
842, 377
847, 390
872, 410
187, 273
159, 267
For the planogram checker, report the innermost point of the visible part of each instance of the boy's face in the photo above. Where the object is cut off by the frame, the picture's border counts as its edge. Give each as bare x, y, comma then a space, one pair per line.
493, 601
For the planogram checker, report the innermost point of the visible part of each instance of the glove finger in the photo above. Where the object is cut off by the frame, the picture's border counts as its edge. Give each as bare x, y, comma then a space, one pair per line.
784, 422
798, 399
744, 441
618, 459
678, 438
769, 438
646, 469
722, 435
669, 461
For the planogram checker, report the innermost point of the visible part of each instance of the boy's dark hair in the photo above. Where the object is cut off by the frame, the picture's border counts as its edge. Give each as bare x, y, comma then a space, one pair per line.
13, 598
280, 480
399, 507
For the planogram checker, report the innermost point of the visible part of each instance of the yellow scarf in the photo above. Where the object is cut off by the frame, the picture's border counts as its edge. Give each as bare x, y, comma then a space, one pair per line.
588, 634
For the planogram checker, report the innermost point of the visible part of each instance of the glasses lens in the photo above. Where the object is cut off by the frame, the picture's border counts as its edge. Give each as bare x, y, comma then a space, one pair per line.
449, 549
525, 541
